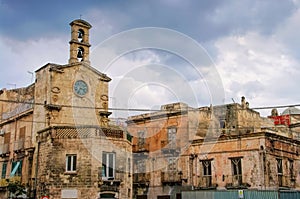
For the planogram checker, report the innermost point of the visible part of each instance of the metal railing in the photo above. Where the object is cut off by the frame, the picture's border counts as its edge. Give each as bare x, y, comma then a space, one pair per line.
171, 177
4, 149
140, 147
141, 177
22, 144
205, 181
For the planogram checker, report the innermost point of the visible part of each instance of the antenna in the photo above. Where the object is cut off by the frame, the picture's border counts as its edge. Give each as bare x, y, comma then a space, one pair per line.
80, 16
31, 75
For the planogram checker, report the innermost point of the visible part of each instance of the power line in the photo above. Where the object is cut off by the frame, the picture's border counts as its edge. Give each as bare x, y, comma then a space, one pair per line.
142, 109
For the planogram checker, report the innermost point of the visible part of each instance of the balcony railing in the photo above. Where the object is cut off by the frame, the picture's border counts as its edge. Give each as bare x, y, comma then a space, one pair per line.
169, 146
205, 181
22, 144
4, 149
5, 181
236, 181
140, 147
19, 145
141, 177
111, 184
84, 131
108, 187
171, 177
286, 181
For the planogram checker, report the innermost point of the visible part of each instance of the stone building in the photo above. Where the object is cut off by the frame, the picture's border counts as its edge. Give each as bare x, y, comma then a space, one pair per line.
16, 143
219, 147
73, 151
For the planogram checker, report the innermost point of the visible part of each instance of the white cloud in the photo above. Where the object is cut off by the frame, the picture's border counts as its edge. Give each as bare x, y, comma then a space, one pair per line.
18, 57
257, 67
287, 34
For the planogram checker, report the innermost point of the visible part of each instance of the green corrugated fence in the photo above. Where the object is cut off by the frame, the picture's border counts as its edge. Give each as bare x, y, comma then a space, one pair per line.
244, 194
289, 194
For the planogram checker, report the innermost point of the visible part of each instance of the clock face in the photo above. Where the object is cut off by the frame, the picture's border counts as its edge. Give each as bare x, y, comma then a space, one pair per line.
80, 88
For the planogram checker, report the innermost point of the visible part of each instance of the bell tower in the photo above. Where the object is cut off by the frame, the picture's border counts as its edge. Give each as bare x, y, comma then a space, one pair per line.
79, 44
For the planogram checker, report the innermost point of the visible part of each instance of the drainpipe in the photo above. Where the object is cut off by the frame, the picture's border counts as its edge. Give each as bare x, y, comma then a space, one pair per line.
36, 169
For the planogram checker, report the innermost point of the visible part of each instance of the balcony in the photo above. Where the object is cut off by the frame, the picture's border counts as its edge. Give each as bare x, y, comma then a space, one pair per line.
169, 147
22, 144
19, 145
285, 181
206, 182
141, 179
236, 181
171, 178
6, 181
4, 150
140, 147
84, 131
111, 184
3, 183
109, 188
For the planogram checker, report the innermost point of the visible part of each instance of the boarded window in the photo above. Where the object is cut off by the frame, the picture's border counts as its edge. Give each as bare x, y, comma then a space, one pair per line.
22, 133
7, 138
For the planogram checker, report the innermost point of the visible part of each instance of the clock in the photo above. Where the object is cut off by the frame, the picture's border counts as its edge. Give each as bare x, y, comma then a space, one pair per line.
80, 88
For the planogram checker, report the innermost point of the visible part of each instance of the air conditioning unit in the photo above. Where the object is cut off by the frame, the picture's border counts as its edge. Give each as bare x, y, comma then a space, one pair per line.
2, 132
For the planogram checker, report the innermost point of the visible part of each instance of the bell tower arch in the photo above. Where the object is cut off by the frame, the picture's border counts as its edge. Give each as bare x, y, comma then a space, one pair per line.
79, 44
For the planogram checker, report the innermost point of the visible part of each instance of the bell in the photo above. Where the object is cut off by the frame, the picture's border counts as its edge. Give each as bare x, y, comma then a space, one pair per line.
80, 35
79, 53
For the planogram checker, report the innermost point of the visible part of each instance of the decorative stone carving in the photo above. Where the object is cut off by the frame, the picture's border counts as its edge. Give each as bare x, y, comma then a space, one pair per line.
55, 90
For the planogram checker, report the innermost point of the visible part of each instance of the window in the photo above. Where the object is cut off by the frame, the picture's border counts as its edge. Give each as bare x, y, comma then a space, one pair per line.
291, 169
172, 136
236, 164
279, 166
71, 161
279, 172
4, 167
206, 179
206, 164
108, 165
16, 169
141, 141
172, 164
22, 133
129, 165
141, 165
222, 124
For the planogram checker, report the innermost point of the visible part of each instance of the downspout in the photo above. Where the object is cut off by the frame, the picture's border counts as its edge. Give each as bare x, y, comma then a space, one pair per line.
36, 169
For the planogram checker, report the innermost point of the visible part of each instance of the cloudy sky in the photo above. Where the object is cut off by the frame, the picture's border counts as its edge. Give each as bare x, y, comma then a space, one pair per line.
157, 52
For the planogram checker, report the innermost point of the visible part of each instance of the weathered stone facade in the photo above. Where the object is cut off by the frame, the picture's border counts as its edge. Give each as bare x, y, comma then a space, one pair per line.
57, 141
16, 149
217, 147
88, 143
58, 130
